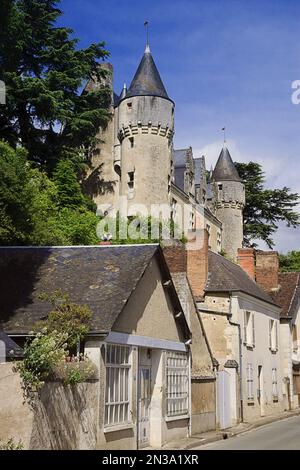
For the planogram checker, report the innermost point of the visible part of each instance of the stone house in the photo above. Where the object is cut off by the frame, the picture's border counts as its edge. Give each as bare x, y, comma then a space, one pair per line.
288, 297
139, 339
241, 322
284, 288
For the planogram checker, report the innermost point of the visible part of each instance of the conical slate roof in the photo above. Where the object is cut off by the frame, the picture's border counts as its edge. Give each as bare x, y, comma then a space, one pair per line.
147, 81
225, 169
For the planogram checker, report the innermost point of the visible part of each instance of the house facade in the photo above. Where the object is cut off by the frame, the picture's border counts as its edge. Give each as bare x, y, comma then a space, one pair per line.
288, 297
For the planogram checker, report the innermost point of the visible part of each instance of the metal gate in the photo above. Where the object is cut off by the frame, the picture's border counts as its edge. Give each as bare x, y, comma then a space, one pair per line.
224, 407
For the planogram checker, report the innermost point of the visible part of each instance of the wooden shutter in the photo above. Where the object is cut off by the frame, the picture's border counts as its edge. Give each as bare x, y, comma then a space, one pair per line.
253, 329
276, 335
245, 326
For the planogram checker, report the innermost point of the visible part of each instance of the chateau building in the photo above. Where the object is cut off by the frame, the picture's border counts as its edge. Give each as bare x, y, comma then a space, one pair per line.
136, 169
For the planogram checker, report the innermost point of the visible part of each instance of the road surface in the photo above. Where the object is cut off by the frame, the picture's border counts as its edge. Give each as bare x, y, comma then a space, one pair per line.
280, 435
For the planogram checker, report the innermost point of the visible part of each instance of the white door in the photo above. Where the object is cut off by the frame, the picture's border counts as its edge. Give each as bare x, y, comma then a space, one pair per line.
144, 399
223, 396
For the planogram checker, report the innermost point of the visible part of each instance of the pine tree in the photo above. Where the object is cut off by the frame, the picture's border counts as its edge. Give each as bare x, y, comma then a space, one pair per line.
265, 208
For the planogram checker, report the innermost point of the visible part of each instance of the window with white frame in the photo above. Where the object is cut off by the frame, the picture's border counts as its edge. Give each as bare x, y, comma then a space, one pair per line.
274, 384
249, 329
273, 335
177, 384
250, 387
117, 394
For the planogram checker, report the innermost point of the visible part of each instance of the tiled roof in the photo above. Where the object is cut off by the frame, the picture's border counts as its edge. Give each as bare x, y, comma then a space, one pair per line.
101, 277
226, 276
288, 295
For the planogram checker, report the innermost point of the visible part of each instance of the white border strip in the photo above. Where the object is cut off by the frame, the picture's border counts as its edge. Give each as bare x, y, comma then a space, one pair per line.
144, 341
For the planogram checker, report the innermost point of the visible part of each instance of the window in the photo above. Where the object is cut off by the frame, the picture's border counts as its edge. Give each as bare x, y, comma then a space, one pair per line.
130, 180
274, 384
129, 105
273, 335
220, 186
250, 388
177, 384
131, 142
219, 240
249, 329
117, 394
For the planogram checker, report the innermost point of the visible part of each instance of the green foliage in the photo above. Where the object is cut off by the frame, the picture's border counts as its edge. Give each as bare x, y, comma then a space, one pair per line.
37, 211
44, 71
290, 262
72, 373
69, 318
45, 355
11, 445
265, 208
138, 230
40, 356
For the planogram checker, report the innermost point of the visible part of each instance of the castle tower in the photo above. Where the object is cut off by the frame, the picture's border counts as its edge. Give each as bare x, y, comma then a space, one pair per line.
229, 195
144, 127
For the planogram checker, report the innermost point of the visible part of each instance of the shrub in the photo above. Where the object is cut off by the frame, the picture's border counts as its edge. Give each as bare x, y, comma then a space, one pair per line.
11, 445
71, 373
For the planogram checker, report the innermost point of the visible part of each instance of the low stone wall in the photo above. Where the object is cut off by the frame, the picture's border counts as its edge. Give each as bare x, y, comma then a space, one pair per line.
64, 417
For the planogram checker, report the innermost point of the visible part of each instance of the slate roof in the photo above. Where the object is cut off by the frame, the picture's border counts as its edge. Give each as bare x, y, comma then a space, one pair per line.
226, 276
288, 295
147, 81
102, 277
180, 157
11, 348
225, 169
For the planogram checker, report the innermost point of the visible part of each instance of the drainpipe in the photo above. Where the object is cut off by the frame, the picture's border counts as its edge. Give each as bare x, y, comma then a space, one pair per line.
190, 393
240, 356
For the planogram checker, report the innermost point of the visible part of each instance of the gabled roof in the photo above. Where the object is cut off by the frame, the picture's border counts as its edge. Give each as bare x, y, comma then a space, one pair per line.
103, 277
225, 169
147, 81
226, 276
288, 295
11, 348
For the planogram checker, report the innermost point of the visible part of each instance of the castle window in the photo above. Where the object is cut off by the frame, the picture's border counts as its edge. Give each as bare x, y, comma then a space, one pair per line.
220, 186
129, 105
130, 181
131, 142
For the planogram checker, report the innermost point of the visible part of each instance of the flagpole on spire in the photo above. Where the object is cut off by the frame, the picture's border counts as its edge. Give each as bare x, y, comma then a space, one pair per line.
224, 135
146, 24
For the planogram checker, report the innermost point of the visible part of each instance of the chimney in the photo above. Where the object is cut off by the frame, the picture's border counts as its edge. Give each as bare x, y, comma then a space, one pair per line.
246, 260
175, 256
267, 267
197, 261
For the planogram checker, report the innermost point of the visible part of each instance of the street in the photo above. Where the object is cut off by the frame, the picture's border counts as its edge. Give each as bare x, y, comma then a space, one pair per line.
280, 435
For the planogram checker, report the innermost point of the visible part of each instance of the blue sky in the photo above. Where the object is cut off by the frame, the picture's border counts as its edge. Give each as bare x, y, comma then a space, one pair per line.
224, 63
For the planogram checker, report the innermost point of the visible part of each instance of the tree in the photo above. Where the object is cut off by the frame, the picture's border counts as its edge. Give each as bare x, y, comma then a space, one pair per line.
290, 261
35, 211
44, 72
265, 208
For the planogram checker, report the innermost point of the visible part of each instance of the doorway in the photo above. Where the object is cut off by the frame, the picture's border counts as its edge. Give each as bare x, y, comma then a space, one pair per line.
144, 398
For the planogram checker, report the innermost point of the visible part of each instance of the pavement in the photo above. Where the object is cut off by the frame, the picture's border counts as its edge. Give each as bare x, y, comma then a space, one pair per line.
203, 439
